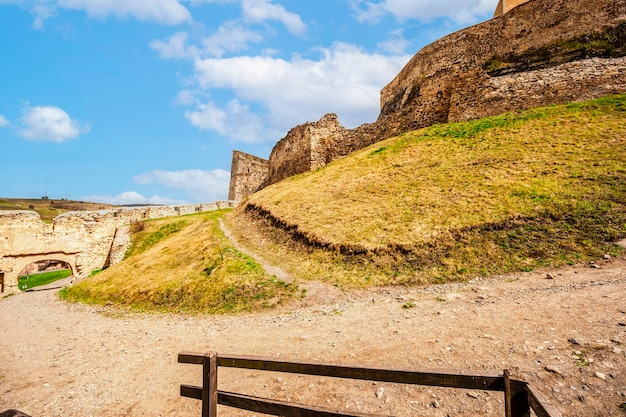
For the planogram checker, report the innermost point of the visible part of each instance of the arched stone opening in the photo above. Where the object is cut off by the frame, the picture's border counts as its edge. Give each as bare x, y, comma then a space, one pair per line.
13, 266
46, 265
43, 266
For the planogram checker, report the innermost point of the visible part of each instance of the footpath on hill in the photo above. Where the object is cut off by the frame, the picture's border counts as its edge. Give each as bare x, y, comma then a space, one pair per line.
564, 334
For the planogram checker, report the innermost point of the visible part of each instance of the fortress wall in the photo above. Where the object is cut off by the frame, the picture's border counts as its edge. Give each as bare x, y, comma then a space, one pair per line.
457, 64
87, 240
291, 155
248, 174
533, 54
570, 82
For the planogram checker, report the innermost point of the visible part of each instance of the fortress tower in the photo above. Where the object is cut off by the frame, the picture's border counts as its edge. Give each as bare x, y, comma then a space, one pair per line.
506, 5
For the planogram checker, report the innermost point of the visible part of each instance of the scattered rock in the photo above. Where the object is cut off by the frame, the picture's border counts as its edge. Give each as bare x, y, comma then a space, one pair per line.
594, 266
617, 350
435, 404
607, 257
552, 368
581, 398
549, 276
600, 375
473, 394
573, 341
379, 392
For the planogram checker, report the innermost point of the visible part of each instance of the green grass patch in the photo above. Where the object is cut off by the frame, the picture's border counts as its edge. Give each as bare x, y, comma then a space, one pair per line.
146, 239
184, 266
27, 282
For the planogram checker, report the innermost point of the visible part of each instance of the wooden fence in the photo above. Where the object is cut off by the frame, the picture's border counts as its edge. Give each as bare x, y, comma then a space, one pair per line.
519, 396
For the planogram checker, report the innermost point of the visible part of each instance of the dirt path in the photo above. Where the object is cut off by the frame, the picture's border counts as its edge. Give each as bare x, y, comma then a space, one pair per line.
58, 359
270, 269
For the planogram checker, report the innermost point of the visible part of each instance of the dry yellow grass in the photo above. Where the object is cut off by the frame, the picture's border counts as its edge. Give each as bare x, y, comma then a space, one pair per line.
184, 264
545, 186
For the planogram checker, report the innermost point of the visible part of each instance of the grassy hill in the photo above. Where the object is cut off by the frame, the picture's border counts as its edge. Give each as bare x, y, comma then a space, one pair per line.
183, 264
48, 209
506, 193
449, 202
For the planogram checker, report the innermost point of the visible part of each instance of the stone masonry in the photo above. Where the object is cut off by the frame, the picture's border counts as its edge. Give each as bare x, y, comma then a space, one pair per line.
85, 240
533, 53
248, 174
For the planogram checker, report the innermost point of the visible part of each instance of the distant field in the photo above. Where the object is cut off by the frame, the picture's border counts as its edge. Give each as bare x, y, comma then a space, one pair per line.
48, 209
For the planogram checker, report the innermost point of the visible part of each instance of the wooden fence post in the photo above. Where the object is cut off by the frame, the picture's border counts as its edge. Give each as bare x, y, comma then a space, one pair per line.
209, 385
507, 393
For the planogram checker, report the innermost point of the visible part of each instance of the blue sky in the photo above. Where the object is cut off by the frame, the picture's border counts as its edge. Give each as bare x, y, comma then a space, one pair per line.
143, 101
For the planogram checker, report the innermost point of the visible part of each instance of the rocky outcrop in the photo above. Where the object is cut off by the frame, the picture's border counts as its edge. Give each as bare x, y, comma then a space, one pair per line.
540, 52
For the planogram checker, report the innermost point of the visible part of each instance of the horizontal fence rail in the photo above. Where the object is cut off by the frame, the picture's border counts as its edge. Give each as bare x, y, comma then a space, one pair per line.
520, 398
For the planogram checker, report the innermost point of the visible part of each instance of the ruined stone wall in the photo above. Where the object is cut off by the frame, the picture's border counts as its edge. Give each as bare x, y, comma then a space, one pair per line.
537, 52
86, 240
291, 155
248, 174
306, 147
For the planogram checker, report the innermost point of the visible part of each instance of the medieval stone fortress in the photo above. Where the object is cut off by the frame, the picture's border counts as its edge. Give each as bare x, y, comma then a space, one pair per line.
532, 53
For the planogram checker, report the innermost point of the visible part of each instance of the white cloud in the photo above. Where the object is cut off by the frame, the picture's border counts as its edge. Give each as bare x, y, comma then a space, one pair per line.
262, 10
235, 122
345, 80
132, 197
464, 12
175, 47
231, 37
168, 12
50, 124
396, 44
199, 185
3, 121
41, 12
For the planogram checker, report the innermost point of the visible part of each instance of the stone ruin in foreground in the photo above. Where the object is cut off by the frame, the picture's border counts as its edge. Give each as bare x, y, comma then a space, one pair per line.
532, 53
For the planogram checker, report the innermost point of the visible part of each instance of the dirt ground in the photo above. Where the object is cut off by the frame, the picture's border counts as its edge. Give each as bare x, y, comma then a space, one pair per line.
564, 334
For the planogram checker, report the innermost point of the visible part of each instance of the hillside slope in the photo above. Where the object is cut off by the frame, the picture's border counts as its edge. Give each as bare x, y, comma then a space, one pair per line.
183, 264
512, 192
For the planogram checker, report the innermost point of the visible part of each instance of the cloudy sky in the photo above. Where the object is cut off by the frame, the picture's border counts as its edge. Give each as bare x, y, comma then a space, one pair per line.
143, 101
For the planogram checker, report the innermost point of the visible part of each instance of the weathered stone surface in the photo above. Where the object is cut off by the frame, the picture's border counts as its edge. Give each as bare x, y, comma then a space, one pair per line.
306, 147
85, 240
248, 174
536, 53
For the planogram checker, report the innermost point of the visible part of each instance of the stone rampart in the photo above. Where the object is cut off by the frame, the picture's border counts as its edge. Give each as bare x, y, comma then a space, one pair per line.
248, 174
537, 52
86, 240
305, 148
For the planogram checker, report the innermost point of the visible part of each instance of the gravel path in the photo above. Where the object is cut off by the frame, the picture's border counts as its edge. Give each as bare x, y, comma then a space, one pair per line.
60, 359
